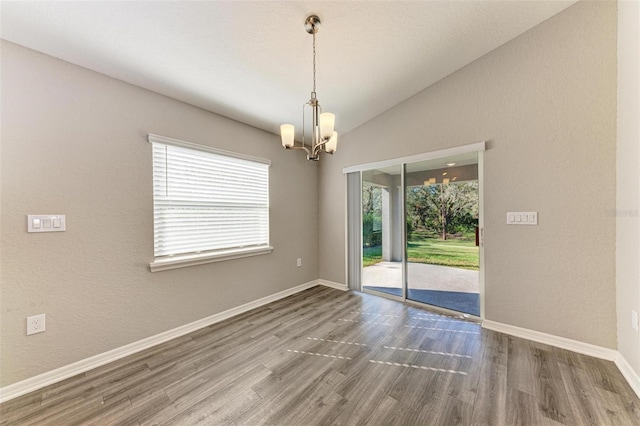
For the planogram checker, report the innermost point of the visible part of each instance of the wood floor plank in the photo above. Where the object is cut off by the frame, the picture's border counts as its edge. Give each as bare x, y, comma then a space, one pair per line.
522, 408
550, 391
365, 396
94, 414
286, 388
219, 406
315, 400
453, 412
520, 374
310, 397
207, 381
490, 405
20, 407
413, 389
496, 347
391, 412
130, 415
620, 409
147, 388
323, 357
91, 386
580, 393
64, 411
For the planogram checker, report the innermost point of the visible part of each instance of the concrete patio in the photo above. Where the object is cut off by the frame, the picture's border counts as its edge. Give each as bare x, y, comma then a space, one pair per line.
422, 276
452, 288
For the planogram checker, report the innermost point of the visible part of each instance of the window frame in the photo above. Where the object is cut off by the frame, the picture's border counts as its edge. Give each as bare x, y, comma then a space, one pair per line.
161, 263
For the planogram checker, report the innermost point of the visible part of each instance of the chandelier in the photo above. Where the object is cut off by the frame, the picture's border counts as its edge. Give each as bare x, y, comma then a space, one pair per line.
323, 137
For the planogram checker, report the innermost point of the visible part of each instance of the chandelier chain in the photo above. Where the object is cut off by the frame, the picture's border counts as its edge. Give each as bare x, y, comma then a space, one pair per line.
314, 62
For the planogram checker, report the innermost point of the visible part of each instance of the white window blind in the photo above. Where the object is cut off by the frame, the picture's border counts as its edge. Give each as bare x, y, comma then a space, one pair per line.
205, 202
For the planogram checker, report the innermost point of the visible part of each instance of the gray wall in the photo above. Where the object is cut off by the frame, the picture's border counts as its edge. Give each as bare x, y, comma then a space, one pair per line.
628, 181
546, 104
74, 143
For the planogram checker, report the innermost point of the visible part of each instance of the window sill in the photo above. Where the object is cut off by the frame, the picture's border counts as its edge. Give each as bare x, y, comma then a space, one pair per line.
183, 261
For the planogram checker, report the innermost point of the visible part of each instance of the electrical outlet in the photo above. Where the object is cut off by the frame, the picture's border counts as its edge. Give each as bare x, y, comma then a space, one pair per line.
299, 264
35, 324
634, 320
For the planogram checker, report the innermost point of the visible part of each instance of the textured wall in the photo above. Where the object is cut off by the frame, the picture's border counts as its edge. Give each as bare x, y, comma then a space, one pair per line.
74, 143
546, 104
628, 181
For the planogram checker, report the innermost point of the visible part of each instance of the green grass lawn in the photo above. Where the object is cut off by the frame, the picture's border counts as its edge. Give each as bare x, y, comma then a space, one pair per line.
455, 252
371, 255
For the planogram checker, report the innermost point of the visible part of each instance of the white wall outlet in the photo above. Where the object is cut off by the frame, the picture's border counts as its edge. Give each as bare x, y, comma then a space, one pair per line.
634, 320
299, 262
35, 324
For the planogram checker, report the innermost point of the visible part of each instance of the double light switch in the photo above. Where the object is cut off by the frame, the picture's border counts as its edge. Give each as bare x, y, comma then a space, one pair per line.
46, 223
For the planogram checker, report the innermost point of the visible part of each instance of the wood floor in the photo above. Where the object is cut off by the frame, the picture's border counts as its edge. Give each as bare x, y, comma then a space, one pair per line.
325, 357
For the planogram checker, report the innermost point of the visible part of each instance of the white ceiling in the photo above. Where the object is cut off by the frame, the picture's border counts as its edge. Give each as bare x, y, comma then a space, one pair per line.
251, 60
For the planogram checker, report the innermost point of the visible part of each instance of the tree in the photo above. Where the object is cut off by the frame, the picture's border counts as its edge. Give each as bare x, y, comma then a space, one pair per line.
444, 208
371, 215
371, 199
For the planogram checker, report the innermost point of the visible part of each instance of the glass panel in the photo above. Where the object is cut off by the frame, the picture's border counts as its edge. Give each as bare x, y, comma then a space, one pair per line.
382, 230
442, 223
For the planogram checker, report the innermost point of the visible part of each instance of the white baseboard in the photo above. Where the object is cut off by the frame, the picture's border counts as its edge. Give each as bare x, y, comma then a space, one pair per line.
632, 377
332, 284
38, 382
550, 339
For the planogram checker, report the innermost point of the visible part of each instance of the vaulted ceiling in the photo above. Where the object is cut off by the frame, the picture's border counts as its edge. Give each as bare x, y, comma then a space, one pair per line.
251, 60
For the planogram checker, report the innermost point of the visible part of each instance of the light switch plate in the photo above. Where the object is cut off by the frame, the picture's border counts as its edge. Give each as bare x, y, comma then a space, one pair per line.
46, 223
522, 218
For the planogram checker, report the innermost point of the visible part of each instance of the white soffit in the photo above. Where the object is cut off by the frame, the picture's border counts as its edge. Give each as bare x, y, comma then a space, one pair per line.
251, 60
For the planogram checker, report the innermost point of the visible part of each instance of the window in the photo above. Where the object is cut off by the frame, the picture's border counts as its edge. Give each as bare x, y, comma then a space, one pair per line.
208, 205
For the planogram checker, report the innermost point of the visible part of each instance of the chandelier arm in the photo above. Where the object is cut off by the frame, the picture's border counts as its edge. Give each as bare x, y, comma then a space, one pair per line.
299, 148
320, 147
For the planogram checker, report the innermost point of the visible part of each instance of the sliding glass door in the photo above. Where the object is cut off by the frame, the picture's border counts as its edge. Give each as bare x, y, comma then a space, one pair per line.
442, 213
419, 229
382, 231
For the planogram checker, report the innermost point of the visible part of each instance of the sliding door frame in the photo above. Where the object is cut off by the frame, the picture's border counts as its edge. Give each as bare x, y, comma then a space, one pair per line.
353, 238
479, 148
